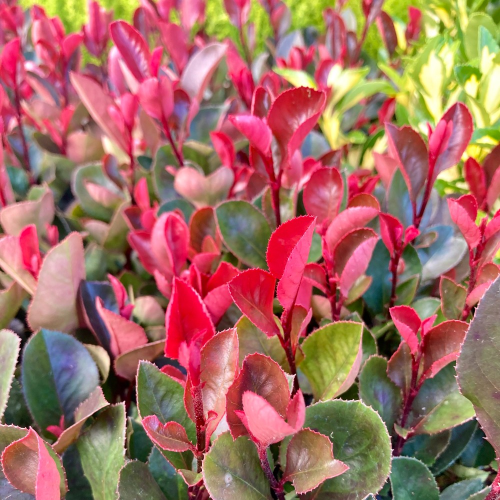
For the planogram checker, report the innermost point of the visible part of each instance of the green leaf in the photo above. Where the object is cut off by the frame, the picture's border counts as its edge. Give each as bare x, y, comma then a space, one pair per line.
137, 483
11, 300
452, 298
9, 352
102, 452
58, 374
377, 390
171, 483
426, 447
460, 438
411, 479
164, 180
471, 36
158, 394
309, 461
333, 357
245, 231
479, 364
360, 440
296, 78
462, 490
231, 469
439, 404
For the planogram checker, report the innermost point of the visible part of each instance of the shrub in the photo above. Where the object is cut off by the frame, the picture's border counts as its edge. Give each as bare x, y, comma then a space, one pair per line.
238, 274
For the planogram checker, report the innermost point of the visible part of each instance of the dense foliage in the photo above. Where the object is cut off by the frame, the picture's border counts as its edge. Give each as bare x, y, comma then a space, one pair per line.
228, 274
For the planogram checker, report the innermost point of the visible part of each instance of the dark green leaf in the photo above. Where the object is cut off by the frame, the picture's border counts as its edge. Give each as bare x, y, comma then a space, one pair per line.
137, 483
412, 480
171, 483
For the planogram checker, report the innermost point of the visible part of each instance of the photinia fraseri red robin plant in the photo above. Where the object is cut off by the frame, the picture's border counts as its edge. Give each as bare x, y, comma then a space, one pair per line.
201, 299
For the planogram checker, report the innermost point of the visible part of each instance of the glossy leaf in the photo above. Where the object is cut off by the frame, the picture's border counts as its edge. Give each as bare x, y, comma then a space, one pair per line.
309, 461
170, 436
137, 482
410, 478
360, 440
245, 231
333, 357
102, 452
58, 374
478, 361
379, 392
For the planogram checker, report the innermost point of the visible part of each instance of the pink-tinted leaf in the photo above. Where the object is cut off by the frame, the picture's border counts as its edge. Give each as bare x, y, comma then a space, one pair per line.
493, 189
287, 255
11, 262
204, 191
132, 47
92, 404
399, 367
253, 293
14, 218
224, 148
200, 69
28, 240
309, 461
463, 213
30, 467
97, 103
176, 241
323, 195
127, 362
264, 422
156, 96
170, 436
260, 375
461, 133
348, 220
441, 345
54, 305
219, 365
391, 231
187, 320
408, 324
293, 114
176, 40
410, 151
255, 130
125, 335
358, 247
386, 166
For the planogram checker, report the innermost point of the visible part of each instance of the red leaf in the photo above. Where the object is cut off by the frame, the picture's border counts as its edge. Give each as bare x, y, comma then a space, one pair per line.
187, 320
28, 241
224, 148
287, 254
253, 293
386, 166
441, 345
408, 324
176, 40
29, 467
170, 436
132, 47
265, 424
386, 27
463, 213
125, 334
176, 241
323, 195
348, 220
476, 178
263, 376
352, 256
410, 151
391, 231
293, 114
461, 133
255, 130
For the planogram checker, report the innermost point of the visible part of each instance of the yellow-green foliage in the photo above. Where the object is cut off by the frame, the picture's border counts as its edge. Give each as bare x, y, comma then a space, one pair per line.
304, 13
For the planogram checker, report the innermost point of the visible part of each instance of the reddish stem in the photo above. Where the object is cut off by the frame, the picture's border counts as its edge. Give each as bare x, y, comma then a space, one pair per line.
494, 494
264, 462
408, 401
393, 268
200, 424
26, 156
170, 139
286, 343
